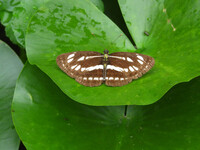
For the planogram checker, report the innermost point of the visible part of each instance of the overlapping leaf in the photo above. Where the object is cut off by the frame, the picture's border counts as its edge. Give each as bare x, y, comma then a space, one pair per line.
6, 13
174, 33
21, 15
46, 118
10, 67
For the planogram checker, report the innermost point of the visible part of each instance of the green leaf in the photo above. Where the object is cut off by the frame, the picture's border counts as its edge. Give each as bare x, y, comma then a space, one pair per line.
112, 10
46, 118
72, 28
98, 4
21, 17
8, 5
6, 13
174, 33
65, 26
10, 66
16, 15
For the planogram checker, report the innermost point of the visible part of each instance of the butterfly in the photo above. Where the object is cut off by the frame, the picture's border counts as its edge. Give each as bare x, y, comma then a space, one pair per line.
91, 68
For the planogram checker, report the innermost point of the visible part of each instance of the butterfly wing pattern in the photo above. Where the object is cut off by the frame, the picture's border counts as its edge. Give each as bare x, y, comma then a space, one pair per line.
92, 68
85, 66
123, 67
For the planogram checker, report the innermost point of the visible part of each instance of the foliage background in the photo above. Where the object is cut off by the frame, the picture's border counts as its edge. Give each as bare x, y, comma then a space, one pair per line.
45, 117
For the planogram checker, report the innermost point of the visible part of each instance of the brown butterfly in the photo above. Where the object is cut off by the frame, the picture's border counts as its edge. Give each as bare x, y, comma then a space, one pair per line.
91, 68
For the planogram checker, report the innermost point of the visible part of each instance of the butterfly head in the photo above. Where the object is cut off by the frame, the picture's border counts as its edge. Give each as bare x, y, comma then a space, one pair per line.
106, 51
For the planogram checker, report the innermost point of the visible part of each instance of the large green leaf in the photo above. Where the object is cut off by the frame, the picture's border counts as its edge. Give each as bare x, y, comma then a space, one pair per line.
64, 26
10, 67
174, 33
24, 12
45, 118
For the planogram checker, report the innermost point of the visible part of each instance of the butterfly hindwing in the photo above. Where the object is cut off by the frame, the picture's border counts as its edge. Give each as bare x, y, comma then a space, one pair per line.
85, 66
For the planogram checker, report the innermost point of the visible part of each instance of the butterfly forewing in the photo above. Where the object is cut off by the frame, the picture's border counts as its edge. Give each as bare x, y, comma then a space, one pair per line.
85, 66
123, 67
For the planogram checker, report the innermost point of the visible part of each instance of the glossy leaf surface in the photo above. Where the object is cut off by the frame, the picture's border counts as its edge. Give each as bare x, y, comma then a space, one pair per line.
65, 26
59, 27
24, 12
170, 32
46, 118
10, 67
